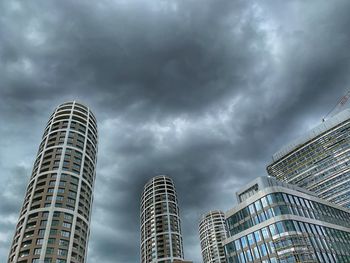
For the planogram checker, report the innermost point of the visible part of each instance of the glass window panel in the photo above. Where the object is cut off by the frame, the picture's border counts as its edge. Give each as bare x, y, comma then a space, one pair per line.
251, 240
265, 232
244, 242
257, 236
264, 202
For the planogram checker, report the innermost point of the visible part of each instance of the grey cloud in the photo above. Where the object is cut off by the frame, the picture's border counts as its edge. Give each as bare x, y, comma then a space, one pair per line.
133, 57
14, 189
203, 91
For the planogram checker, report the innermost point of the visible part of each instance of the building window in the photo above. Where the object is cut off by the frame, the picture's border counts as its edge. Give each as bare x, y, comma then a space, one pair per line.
49, 250
265, 233
56, 214
257, 236
62, 252
55, 223
63, 243
45, 214
68, 217
67, 225
65, 233
244, 242
41, 232
70, 207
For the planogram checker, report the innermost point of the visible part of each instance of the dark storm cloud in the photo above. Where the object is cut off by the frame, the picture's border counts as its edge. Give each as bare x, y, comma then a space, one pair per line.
144, 57
203, 91
13, 183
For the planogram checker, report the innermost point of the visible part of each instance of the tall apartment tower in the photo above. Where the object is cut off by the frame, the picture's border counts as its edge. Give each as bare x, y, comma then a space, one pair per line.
54, 223
161, 239
212, 233
319, 161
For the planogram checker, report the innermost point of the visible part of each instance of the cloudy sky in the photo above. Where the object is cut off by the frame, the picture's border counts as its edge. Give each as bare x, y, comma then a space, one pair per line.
204, 91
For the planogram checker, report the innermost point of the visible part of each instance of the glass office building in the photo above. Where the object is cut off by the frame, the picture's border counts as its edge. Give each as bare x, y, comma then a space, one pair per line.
319, 161
277, 222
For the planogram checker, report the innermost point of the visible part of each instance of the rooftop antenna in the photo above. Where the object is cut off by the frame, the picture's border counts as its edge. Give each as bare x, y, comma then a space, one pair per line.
341, 102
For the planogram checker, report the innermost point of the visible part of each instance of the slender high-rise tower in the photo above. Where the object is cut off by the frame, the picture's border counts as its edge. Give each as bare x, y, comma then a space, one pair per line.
54, 223
212, 233
161, 239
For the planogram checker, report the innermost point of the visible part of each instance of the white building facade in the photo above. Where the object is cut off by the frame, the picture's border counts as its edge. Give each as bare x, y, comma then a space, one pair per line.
212, 233
161, 238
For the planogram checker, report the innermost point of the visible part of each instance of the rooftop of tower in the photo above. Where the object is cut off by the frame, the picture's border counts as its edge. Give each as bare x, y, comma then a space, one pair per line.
211, 212
311, 134
70, 102
157, 177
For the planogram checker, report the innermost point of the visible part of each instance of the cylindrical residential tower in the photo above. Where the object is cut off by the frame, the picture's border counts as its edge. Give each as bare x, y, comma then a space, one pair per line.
54, 222
161, 239
212, 233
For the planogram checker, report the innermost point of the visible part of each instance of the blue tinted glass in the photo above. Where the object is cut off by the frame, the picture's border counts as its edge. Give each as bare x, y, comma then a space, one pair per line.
251, 209
264, 201
256, 253
280, 228
265, 232
242, 258
244, 242
263, 250
257, 236
258, 206
237, 244
251, 240
273, 229
249, 255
